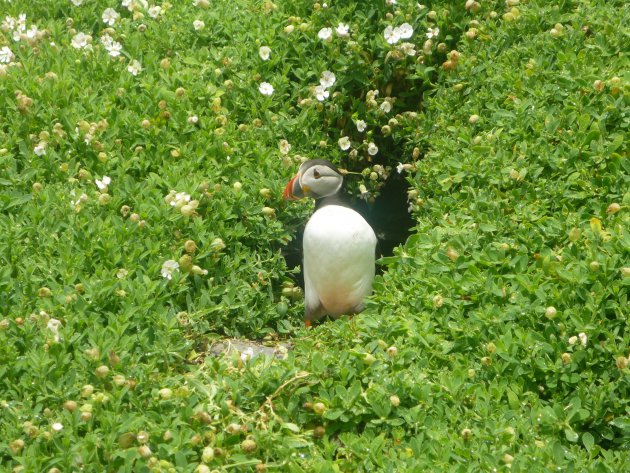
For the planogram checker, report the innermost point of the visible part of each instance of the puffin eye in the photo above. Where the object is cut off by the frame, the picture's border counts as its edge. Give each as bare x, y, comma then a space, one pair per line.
316, 174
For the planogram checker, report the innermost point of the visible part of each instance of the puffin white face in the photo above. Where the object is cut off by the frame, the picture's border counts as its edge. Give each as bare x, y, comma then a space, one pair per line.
316, 178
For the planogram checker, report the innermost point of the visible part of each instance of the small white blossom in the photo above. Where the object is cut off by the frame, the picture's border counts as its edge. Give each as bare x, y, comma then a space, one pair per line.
154, 11
198, 25
193, 119
343, 30
361, 125
284, 146
433, 32
327, 79
344, 143
372, 149
321, 93
40, 149
247, 354
405, 31
266, 88
77, 3
168, 268
391, 2
53, 326
386, 106
110, 16
177, 199
264, 52
325, 34
573, 340
112, 47
134, 67
408, 48
80, 40
392, 35
583, 338
103, 183
57, 426
6, 55
400, 168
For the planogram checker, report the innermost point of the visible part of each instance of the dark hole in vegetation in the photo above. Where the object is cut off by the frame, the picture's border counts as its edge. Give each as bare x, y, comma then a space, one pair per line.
388, 215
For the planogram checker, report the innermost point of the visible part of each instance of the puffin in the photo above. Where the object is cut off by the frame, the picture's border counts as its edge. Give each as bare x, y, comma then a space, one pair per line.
339, 246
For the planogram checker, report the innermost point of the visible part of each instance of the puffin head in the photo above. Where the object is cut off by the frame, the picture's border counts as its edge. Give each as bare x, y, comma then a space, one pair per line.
316, 178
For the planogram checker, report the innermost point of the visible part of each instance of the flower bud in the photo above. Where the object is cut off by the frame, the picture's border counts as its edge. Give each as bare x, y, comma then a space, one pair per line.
566, 358
102, 371
395, 400
144, 451
466, 434
550, 312
190, 246
70, 406
473, 119
207, 455
369, 359
392, 352
249, 446
37, 187
269, 212
165, 394
319, 408
613, 208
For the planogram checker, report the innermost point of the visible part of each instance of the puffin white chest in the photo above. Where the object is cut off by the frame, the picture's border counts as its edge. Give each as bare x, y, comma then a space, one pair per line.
339, 247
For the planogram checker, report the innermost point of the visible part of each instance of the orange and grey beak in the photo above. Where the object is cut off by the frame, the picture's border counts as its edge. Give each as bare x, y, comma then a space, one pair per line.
293, 190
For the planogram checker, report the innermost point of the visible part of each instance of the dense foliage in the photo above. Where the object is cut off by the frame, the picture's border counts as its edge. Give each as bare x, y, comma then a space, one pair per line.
143, 153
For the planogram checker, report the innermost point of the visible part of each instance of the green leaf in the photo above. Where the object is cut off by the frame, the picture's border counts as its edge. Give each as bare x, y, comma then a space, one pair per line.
588, 440
571, 435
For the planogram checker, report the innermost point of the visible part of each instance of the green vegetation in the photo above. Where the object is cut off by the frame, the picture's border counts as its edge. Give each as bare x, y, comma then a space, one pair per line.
142, 163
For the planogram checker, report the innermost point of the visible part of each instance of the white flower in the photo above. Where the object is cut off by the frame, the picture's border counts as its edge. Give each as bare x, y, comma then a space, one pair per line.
266, 88
386, 106
343, 30
405, 31
40, 149
344, 143
80, 40
321, 93
392, 35
372, 149
247, 354
77, 3
57, 426
177, 199
325, 34
264, 52
168, 268
198, 25
193, 119
583, 338
327, 79
113, 47
408, 48
134, 67
391, 2
32, 32
54, 325
433, 32
361, 125
572, 340
400, 168
154, 11
284, 146
110, 16
6, 55
102, 184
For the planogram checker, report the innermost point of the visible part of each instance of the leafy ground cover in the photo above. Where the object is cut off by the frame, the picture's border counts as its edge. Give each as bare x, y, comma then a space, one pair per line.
143, 152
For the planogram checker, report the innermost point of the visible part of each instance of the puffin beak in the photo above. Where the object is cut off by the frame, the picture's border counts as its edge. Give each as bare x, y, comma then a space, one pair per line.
293, 190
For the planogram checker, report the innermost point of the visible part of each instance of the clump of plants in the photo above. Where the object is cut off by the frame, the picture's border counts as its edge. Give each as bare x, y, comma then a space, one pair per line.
142, 164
